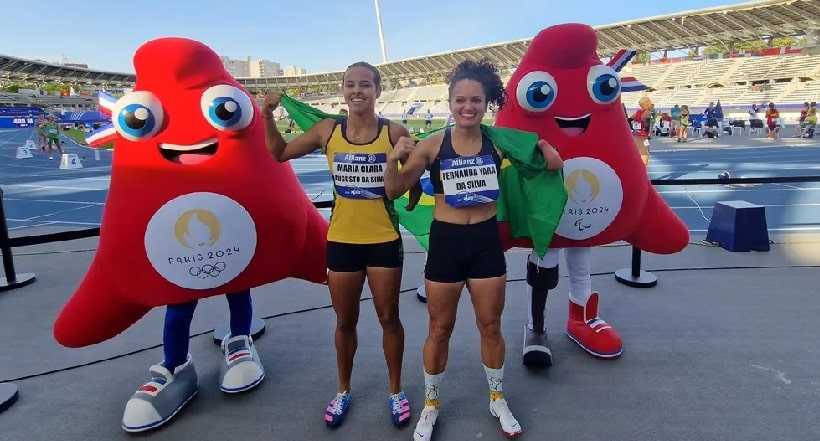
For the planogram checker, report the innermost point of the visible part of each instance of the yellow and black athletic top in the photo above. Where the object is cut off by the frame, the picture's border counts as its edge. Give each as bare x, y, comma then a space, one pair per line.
361, 212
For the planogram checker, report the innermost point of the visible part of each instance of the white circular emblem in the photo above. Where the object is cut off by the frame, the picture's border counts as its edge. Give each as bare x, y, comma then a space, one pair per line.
594, 198
200, 240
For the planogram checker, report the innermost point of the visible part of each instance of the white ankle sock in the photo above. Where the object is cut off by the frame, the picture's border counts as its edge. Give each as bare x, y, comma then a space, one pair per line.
431, 385
495, 378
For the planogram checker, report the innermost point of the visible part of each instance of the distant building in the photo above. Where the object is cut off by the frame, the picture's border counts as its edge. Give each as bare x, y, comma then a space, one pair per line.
250, 68
237, 68
292, 71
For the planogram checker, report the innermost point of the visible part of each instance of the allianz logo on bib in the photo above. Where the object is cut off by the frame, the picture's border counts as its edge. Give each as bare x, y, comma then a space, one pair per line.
352, 157
459, 162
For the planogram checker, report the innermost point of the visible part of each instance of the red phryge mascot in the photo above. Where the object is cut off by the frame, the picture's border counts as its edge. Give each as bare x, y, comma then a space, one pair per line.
196, 208
563, 92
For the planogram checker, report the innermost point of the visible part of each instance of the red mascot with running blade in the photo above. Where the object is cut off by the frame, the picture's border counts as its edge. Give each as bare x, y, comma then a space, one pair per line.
196, 208
562, 91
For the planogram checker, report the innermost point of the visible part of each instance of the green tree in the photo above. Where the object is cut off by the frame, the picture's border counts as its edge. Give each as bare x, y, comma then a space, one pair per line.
644, 57
755, 45
15, 86
55, 87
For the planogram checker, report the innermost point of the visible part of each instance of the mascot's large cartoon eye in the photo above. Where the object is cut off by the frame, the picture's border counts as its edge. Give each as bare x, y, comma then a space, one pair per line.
138, 116
603, 84
536, 91
226, 108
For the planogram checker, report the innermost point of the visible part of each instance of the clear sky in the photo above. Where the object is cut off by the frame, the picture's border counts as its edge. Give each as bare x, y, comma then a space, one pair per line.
319, 35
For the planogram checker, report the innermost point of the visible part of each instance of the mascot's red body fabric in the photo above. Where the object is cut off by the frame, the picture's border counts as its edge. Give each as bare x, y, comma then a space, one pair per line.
196, 205
563, 92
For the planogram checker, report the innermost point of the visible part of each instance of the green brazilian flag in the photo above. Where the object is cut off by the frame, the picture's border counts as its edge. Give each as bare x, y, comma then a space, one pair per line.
531, 199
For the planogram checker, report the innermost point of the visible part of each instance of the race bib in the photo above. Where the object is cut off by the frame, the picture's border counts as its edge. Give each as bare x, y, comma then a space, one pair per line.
469, 181
359, 175
52, 131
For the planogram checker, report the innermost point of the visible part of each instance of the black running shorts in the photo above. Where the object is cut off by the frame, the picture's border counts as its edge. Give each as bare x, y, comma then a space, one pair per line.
352, 257
461, 252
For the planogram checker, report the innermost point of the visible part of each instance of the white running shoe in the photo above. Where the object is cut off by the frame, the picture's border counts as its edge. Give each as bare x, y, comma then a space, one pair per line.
424, 428
509, 425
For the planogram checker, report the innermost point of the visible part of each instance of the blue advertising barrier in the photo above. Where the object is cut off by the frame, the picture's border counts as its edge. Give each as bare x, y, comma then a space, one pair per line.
16, 122
90, 117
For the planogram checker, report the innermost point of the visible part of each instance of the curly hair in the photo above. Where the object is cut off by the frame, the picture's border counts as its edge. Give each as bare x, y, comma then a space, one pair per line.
483, 71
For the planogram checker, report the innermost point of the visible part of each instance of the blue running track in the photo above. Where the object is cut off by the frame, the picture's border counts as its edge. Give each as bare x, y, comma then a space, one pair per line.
38, 193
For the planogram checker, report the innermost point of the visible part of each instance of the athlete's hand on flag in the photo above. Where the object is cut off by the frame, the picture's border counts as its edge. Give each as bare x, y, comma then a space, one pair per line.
554, 161
402, 149
271, 102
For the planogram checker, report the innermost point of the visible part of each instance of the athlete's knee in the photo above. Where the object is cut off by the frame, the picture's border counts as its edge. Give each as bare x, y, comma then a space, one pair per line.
441, 330
346, 327
389, 318
346, 322
489, 327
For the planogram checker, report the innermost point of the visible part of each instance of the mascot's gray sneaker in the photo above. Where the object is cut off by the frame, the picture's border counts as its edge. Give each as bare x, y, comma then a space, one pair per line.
241, 368
537, 350
158, 400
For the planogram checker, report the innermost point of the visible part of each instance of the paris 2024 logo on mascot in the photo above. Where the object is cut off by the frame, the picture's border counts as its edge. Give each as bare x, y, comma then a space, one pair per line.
562, 91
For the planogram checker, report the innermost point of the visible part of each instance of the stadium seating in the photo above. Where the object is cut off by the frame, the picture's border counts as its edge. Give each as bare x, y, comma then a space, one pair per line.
787, 80
59, 103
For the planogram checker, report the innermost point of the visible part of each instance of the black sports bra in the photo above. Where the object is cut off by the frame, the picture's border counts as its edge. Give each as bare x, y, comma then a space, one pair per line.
446, 151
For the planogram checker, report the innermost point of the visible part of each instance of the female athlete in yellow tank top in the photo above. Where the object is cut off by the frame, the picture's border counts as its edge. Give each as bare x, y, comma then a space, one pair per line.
363, 239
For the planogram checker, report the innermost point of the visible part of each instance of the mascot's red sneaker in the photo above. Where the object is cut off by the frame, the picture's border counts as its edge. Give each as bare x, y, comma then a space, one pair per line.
592, 333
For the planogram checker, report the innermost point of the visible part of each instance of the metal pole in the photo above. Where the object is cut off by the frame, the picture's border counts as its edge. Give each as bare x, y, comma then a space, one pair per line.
381, 33
636, 262
11, 280
634, 276
5, 247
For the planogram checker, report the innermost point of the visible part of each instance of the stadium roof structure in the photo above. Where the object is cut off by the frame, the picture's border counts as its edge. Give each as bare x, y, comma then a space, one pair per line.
702, 27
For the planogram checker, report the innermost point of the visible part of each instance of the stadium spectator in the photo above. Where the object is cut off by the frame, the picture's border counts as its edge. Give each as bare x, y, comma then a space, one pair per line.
773, 122
798, 128
709, 111
465, 246
811, 121
753, 116
363, 240
644, 115
711, 129
674, 116
714, 117
683, 134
